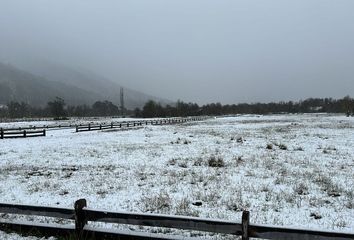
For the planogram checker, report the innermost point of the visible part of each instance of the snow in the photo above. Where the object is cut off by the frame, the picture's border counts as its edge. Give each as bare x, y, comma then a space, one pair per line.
14, 236
164, 169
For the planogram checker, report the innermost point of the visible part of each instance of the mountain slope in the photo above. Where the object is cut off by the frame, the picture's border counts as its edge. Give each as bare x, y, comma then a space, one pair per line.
101, 87
18, 85
73, 86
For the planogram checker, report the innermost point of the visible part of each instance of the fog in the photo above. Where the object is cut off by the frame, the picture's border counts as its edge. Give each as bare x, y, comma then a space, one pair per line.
201, 51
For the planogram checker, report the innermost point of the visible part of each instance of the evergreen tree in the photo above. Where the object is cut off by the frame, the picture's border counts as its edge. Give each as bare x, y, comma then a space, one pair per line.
56, 108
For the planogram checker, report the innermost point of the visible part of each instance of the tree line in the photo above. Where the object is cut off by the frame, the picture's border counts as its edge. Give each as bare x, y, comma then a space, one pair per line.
311, 105
58, 109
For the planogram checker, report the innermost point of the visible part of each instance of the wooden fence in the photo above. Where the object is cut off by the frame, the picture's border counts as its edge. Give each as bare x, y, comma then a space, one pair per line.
81, 215
5, 133
131, 124
101, 126
57, 126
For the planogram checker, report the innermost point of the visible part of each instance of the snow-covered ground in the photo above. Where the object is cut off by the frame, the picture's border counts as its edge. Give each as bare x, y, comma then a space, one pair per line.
290, 170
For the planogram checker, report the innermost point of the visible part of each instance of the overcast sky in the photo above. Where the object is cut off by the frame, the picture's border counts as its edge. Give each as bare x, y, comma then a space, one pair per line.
195, 50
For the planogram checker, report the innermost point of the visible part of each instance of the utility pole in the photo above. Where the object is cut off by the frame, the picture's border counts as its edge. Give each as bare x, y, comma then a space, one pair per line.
122, 108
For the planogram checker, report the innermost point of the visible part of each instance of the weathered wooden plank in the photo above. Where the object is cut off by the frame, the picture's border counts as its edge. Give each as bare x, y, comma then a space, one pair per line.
37, 229
13, 133
274, 232
34, 131
106, 127
154, 220
84, 130
14, 136
65, 213
22, 135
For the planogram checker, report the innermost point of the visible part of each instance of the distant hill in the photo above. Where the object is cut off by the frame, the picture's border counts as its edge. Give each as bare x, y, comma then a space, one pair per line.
43, 82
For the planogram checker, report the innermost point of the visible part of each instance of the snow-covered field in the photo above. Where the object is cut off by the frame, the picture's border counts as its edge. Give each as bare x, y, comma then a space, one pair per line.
290, 170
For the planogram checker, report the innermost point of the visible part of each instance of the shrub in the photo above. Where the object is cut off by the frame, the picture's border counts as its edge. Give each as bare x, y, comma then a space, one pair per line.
350, 200
216, 161
237, 203
157, 203
283, 147
183, 165
183, 208
301, 189
198, 162
316, 215
239, 159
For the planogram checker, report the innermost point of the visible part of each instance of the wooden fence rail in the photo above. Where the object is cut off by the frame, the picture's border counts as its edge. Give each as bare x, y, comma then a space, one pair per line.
83, 215
131, 124
102, 126
57, 126
21, 134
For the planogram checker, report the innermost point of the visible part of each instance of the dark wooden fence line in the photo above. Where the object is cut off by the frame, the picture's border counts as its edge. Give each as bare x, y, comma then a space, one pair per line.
60, 126
96, 126
82, 215
21, 134
130, 124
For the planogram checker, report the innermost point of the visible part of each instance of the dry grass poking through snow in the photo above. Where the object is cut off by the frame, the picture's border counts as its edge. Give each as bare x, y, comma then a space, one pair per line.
292, 170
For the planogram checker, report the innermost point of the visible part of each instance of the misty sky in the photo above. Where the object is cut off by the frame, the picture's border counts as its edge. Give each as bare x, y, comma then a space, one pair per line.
195, 50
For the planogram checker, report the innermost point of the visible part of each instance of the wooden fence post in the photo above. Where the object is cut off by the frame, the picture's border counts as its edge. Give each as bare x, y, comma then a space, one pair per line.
100, 126
77, 128
24, 133
245, 223
80, 218
89, 127
111, 124
44, 132
1, 133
